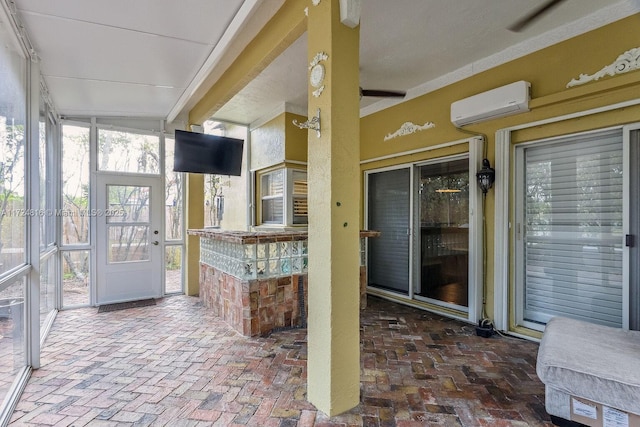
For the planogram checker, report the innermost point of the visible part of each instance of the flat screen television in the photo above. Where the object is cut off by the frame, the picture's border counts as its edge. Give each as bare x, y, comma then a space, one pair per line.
201, 153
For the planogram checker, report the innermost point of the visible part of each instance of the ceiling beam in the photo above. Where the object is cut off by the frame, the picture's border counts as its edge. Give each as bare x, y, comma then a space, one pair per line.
286, 26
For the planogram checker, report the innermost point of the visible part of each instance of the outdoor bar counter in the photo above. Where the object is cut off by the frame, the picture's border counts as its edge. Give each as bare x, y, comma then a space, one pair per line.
257, 281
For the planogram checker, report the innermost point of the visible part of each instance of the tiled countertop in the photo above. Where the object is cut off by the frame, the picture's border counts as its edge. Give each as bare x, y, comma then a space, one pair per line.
248, 237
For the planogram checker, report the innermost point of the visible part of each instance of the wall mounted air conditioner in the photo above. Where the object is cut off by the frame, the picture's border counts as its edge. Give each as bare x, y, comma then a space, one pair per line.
500, 102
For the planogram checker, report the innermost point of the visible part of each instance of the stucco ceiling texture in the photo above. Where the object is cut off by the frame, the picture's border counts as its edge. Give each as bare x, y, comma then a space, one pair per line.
145, 58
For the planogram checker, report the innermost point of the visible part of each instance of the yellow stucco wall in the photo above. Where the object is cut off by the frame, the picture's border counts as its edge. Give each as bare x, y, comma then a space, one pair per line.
195, 219
334, 208
549, 71
268, 143
277, 141
235, 188
296, 138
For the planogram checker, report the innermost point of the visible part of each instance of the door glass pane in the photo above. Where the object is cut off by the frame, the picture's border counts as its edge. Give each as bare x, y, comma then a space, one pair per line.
173, 269
128, 203
12, 334
444, 232
389, 198
128, 152
128, 207
75, 278
573, 230
128, 243
75, 185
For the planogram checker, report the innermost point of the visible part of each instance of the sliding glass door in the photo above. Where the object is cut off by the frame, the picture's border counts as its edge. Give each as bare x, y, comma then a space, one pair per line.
443, 204
569, 229
634, 227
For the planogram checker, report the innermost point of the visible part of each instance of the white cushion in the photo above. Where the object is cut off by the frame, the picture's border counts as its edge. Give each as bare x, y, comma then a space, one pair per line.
598, 363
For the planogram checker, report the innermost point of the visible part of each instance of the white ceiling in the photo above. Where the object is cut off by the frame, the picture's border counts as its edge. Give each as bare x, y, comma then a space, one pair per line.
144, 58
123, 57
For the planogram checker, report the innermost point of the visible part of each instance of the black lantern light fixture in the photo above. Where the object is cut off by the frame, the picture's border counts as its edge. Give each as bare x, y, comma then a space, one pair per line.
486, 176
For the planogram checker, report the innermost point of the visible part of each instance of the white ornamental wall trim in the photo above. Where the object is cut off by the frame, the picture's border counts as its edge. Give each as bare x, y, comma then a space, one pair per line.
316, 73
408, 128
320, 56
316, 93
628, 61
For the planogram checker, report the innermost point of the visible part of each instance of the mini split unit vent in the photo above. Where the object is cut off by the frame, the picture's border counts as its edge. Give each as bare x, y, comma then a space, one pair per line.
500, 102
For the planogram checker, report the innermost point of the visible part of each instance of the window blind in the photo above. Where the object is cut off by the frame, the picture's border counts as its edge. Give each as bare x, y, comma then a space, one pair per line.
272, 189
388, 212
573, 229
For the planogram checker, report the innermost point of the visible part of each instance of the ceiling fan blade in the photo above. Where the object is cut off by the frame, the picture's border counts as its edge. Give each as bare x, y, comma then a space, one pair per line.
535, 14
383, 93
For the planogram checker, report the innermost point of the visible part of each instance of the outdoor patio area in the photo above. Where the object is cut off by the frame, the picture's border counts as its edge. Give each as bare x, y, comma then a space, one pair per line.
175, 364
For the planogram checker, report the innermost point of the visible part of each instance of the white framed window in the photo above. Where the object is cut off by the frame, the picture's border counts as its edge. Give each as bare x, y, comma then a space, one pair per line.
569, 229
283, 197
272, 197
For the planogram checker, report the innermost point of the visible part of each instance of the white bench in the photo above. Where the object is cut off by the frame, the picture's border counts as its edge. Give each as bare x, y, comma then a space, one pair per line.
588, 369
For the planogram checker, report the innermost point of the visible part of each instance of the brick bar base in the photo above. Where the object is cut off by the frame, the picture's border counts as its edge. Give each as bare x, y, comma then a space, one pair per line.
257, 307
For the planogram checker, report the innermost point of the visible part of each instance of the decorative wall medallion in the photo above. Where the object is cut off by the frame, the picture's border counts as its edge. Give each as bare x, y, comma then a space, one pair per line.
317, 73
408, 128
316, 2
316, 76
628, 61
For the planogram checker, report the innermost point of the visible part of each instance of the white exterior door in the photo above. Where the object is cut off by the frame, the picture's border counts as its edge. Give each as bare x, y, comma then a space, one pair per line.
129, 238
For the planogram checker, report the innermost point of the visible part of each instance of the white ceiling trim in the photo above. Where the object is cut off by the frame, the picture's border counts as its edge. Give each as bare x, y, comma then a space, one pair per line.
605, 16
19, 36
243, 15
280, 109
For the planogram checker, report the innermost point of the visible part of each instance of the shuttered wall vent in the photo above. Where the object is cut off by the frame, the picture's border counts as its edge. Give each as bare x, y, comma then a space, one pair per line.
300, 188
300, 207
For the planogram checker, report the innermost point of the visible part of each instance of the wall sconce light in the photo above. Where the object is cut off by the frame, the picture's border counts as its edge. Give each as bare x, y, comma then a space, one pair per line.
486, 176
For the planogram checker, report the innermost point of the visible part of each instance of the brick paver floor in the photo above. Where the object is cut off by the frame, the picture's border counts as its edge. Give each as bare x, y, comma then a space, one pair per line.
175, 364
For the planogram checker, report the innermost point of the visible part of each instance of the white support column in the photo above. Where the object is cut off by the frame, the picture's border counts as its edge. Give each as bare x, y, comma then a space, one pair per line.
32, 144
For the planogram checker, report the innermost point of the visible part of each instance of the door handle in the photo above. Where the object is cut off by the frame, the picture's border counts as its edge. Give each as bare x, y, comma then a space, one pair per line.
629, 240
155, 242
